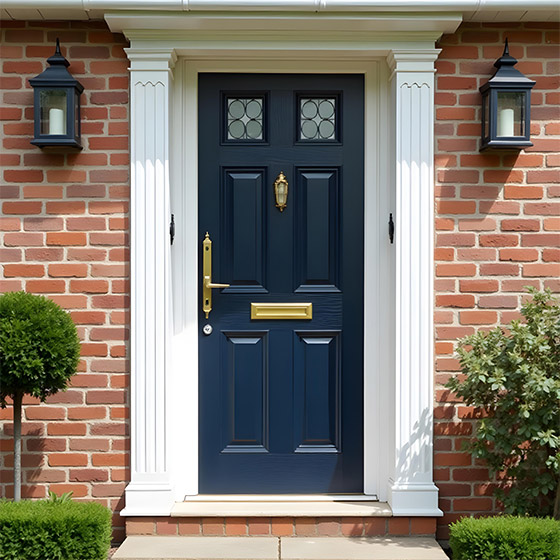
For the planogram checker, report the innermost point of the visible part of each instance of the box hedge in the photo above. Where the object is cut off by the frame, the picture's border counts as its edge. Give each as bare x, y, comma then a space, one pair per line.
54, 530
505, 538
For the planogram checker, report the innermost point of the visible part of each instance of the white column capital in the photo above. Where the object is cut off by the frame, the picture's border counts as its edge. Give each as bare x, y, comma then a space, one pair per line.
146, 59
418, 60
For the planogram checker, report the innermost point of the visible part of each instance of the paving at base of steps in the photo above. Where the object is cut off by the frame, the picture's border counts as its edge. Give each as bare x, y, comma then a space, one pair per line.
279, 548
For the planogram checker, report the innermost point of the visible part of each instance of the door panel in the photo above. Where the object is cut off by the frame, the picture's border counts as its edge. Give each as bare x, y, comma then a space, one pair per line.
245, 392
244, 234
281, 400
317, 392
317, 223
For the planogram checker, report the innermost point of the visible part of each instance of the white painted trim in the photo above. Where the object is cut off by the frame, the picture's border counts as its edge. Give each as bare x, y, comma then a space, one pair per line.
319, 6
374, 236
389, 475
411, 487
286, 24
151, 486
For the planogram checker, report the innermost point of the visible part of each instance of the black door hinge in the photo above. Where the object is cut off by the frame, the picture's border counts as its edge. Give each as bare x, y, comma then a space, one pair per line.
391, 228
172, 228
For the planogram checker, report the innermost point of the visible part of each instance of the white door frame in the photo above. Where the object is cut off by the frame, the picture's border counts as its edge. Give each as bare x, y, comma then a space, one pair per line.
187, 79
398, 279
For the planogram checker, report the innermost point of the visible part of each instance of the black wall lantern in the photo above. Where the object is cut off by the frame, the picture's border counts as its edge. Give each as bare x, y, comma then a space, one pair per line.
57, 105
506, 107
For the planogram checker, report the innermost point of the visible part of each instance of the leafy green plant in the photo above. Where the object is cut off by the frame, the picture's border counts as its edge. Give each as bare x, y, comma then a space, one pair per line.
39, 352
513, 376
63, 498
505, 538
54, 530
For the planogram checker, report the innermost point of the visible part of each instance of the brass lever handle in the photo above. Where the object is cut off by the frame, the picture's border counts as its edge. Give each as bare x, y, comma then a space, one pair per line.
207, 284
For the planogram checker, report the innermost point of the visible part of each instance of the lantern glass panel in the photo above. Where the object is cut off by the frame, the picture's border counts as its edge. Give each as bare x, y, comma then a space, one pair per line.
486, 115
77, 130
53, 111
511, 114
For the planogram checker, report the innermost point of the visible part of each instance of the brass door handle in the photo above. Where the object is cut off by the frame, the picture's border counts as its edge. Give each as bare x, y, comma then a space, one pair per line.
207, 283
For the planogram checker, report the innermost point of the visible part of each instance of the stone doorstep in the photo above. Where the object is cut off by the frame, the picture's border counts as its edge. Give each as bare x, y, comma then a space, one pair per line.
277, 508
279, 548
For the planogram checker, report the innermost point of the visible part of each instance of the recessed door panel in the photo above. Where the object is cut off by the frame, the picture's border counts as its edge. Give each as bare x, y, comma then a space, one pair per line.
245, 392
244, 238
317, 229
317, 392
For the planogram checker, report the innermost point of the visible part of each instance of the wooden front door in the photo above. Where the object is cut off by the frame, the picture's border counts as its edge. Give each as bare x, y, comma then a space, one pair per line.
281, 386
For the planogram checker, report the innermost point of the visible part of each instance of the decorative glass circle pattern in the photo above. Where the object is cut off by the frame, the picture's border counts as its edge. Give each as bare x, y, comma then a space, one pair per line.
244, 118
317, 118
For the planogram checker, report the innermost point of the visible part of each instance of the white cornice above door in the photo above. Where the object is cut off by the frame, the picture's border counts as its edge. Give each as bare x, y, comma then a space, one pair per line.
287, 24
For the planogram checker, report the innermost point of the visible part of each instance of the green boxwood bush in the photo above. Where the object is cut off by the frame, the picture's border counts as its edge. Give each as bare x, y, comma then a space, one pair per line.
54, 530
505, 538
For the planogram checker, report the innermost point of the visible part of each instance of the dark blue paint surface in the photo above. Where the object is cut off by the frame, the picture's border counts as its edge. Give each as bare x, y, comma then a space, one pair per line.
281, 402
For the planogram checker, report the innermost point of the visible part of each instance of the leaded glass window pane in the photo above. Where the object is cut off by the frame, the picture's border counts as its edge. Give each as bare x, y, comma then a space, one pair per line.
317, 118
245, 118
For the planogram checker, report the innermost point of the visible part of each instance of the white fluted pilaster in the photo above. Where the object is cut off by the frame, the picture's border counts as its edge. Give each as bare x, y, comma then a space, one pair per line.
150, 491
411, 487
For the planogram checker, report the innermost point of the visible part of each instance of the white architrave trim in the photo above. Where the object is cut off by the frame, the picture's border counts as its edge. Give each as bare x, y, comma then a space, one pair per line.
412, 491
376, 208
387, 475
150, 491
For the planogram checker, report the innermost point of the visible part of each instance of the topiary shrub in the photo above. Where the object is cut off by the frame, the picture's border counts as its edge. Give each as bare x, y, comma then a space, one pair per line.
39, 352
513, 376
54, 530
505, 538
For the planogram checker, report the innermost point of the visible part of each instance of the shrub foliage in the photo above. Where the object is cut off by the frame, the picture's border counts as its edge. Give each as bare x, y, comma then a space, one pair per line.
513, 376
54, 530
505, 538
39, 346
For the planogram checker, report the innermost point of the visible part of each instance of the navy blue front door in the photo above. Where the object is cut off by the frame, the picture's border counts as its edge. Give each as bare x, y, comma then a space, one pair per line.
281, 400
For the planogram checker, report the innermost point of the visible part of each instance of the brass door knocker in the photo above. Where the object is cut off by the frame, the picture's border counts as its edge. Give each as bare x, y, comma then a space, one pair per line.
281, 191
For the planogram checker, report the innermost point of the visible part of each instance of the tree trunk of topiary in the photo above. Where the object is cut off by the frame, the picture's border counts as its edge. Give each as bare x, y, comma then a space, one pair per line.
557, 501
18, 397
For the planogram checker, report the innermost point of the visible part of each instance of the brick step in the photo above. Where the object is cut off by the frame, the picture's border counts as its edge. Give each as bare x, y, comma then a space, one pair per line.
279, 548
294, 525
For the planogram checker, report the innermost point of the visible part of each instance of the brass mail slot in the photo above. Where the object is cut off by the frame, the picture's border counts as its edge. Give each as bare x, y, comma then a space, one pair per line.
281, 311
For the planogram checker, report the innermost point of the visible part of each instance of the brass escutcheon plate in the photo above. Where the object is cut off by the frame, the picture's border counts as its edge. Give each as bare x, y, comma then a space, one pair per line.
281, 311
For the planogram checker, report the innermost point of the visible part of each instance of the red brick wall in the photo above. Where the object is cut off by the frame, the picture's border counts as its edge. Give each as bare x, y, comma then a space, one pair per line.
64, 234
497, 225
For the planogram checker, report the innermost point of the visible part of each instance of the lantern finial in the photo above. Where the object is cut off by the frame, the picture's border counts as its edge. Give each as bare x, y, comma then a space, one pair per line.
57, 58
506, 59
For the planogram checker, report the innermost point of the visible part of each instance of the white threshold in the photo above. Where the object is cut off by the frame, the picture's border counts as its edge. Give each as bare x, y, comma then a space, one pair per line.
281, 498
271, 506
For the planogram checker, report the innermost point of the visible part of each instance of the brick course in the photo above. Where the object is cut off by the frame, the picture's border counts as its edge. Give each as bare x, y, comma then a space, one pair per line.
64, 234
282, 526
493, 236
